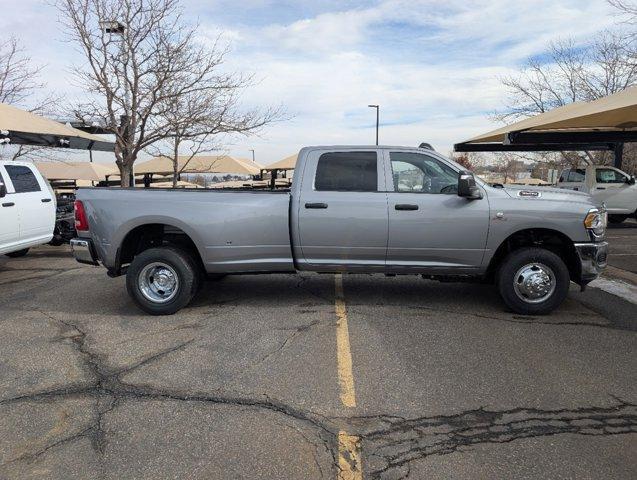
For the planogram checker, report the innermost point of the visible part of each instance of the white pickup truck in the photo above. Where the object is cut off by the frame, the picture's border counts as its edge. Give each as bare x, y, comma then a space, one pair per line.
27, 208
608, 185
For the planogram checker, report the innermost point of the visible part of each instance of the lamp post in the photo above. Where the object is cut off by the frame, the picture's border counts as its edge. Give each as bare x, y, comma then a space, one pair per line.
114, 27
377, 107
252, 150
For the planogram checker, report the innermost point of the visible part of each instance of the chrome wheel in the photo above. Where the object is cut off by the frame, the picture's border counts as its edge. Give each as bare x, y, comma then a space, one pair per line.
158, 282
534, 283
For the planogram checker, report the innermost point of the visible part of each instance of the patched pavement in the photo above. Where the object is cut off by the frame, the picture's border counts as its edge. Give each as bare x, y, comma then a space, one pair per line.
248, 382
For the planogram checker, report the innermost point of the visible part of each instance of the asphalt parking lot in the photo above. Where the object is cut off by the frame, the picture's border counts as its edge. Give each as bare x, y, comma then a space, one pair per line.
623, 241
310, 376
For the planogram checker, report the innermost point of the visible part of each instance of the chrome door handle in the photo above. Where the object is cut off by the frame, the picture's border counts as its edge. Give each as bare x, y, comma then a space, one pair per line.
45, 200
316, 205
406, 206
8, 204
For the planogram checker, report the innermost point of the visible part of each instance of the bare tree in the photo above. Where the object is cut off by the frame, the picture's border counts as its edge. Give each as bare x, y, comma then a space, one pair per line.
571, 73
509, 167
627, 9
195, 121
20, 86
140, 58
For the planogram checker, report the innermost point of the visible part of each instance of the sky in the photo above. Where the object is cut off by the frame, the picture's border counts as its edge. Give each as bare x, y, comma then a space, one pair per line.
434, 67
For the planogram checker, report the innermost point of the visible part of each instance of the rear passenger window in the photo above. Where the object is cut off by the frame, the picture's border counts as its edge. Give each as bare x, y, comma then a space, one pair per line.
22, 178
347, 172
576, 175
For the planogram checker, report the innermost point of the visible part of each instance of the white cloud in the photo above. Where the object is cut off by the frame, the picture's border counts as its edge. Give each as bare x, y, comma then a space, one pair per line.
432, 66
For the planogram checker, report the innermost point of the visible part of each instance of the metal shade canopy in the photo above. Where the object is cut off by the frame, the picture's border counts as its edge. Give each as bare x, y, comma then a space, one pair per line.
288, 163
603, 124
26, 128
198, 164
91, 171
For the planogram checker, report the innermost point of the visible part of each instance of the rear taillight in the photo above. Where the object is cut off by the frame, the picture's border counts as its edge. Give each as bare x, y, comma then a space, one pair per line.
81, 222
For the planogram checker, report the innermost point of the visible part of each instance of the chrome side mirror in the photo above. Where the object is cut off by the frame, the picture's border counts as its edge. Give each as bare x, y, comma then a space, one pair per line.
467, 187
3, 190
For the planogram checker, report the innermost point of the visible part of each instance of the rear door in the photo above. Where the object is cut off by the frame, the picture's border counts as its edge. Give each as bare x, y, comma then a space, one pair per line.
430, 226
612, 188
573, 179
9, 221
342, 216
34, 202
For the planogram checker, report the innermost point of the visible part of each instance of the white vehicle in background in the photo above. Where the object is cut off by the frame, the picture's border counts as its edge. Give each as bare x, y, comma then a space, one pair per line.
610, 185
27, 208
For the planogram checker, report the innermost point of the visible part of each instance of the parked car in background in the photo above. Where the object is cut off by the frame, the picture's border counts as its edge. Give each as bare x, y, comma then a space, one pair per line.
616, 189
391, 210
27, 208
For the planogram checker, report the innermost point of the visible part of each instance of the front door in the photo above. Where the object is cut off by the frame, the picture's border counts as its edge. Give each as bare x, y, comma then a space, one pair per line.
430, 226
342, 217
612, 188
34, 202
9, 222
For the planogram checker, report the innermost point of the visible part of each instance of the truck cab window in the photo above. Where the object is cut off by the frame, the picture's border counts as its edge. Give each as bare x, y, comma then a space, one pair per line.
576, 175
23, 179
347, 172
418, 173
608, 175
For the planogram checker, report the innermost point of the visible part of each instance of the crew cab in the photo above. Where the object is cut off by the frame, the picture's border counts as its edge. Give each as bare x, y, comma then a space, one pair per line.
608, 185
386, 210
27, 208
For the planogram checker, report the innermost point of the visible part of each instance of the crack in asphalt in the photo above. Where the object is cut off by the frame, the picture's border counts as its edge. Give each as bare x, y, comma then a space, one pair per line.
390, 442
398, 442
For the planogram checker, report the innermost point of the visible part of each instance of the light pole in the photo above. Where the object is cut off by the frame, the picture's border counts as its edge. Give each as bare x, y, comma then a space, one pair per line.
377, 107
114, 27
252, 150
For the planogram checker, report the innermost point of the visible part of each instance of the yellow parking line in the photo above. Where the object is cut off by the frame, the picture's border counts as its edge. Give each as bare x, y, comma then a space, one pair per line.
349, 450
343, 353
349, 457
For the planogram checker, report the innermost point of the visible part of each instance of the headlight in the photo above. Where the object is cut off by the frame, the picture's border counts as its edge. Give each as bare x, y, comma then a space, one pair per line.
595, 222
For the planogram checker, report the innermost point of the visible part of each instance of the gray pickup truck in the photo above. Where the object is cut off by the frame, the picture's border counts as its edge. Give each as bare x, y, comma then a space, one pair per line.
388, 210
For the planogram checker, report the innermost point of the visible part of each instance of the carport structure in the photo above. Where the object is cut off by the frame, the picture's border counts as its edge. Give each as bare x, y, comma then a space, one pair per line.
20, 127
283, 165
603, 124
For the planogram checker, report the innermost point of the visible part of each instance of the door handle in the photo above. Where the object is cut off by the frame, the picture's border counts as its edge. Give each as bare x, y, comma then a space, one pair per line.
8, 204
406, 206
601, 188
45, 200
316, 205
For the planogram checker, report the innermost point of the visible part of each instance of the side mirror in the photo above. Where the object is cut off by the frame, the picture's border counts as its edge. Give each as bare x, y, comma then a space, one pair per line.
467, 187
3, 190
630, 180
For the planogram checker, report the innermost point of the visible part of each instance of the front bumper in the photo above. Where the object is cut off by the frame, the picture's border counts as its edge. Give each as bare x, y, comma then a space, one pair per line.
593, 258
83, 251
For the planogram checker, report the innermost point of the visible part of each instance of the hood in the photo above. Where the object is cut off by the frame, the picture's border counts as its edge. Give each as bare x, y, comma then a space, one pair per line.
537, 193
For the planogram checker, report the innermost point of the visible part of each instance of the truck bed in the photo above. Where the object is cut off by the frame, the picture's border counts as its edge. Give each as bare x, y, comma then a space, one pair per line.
234, 231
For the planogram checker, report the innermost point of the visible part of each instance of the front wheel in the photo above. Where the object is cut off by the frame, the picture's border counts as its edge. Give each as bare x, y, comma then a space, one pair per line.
533, 281
163, 280
18, 253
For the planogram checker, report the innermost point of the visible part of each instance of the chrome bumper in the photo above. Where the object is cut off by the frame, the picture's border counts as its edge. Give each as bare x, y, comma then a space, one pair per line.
593, 258
83, 251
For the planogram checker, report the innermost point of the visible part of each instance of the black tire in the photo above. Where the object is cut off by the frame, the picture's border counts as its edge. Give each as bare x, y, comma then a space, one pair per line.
18, 253
184, 267
617, 218
518, 259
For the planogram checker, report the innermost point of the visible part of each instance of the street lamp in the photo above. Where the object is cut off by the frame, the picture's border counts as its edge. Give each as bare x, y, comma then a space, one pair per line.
114, 27
252, 150
377, 107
